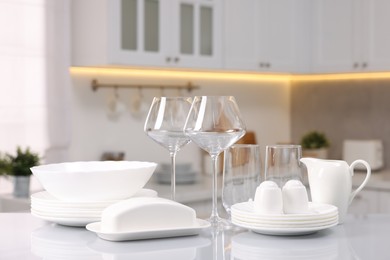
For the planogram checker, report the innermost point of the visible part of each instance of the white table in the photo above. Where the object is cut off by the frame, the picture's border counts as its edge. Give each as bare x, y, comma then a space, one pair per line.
25, 237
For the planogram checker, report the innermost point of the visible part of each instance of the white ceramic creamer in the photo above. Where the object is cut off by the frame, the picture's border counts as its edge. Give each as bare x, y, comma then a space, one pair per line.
330, 182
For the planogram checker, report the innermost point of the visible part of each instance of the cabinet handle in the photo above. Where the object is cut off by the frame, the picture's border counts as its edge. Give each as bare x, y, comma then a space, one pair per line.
177, 59
261, 64
268, 65
364, 64
356, 65
168, 59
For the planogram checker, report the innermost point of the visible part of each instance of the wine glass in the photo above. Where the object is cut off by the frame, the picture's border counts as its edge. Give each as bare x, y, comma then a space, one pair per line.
165, 124
214, 123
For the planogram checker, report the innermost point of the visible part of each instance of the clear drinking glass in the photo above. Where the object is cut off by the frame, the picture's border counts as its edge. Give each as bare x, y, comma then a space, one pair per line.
165, 124
241, 174
282, 163
214, 124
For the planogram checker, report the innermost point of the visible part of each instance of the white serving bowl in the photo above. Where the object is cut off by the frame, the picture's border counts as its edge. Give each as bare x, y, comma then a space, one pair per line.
94, 180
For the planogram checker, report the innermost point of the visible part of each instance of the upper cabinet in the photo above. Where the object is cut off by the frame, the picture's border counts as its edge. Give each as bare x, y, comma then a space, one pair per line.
174, 33
265, 35
350, 35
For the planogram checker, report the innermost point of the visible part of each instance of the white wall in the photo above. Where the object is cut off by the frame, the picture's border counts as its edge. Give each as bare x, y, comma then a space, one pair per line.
264, 106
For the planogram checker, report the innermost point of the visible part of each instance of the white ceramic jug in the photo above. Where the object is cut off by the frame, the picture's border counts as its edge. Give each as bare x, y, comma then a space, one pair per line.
330, 182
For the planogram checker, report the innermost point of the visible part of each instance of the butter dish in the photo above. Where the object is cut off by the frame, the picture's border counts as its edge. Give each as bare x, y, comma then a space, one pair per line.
145, 218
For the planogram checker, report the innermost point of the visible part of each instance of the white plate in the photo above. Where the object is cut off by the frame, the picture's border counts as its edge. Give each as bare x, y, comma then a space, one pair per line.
285, 231
285, 225
251, 218
316, 211
149, 234
65, 210
67, 215
45, 198
71, 221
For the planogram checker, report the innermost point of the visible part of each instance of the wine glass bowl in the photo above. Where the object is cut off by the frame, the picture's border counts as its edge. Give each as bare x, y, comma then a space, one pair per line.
214, 123
165, 124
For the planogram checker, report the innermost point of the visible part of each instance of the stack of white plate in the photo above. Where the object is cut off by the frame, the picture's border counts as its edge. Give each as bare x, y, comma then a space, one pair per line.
319, 216
47, 207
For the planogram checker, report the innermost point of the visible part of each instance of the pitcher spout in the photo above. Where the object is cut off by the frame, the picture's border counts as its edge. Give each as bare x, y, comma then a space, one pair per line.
309, 162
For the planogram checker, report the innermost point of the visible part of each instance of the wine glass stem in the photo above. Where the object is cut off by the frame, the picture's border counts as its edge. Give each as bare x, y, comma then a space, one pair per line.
173, 175
214, 211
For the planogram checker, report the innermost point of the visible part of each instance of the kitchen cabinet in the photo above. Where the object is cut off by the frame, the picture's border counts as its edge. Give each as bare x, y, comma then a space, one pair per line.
350, 35
175, 33
265, 35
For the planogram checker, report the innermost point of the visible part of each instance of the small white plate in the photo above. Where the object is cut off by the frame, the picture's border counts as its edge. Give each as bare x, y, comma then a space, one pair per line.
45, 198
67, 215
286, 223
251, 219
285, 231
149, 234
316, 211
71, 221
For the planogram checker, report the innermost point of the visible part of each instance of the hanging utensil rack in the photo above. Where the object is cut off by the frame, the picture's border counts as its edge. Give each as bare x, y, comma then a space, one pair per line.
96, 85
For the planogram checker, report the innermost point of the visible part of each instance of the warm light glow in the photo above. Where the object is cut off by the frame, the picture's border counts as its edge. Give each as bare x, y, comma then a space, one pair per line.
344, 76
225, 75
157, 73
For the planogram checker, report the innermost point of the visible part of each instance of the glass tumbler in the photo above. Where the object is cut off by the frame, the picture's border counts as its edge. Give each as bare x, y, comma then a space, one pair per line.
282, 163
241, 174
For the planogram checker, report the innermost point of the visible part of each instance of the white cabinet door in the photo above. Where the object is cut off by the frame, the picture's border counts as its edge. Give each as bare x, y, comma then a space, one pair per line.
376, 56
182, 33
335, 35
350, 35
135, 32
240, 24
119, 32
196, 27
279, 35
263, 35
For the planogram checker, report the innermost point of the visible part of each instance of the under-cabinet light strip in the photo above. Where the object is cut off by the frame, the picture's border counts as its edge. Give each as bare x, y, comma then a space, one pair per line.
225, 75
182, 74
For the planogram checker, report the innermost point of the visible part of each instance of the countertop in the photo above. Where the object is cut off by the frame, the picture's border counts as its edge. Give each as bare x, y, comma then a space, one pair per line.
25, 237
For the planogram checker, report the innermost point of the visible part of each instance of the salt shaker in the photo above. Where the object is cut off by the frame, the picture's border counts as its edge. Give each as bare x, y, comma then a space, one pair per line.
295, 199
268, 198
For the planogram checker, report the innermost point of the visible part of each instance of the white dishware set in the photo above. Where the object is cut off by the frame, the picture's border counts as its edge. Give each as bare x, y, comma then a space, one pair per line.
47, 207
331, 182
76, 193
285, 211
108, 196
280, 204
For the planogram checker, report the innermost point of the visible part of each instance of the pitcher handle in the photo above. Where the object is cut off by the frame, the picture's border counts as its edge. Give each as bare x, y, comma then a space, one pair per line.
353, 194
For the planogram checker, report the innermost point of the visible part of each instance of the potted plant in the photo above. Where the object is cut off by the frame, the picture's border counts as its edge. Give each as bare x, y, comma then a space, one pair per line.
315, 144
19, 166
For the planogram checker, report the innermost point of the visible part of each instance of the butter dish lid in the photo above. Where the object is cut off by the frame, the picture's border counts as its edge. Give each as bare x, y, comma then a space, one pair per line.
146, 213
145, 218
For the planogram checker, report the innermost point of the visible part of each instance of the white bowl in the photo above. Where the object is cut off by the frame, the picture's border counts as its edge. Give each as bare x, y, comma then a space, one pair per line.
94, 180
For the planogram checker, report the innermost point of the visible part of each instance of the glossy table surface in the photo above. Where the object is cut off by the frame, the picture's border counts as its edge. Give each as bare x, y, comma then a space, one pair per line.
24, 236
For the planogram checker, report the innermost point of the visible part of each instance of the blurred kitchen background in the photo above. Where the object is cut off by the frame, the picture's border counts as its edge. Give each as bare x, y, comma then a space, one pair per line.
293, 66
